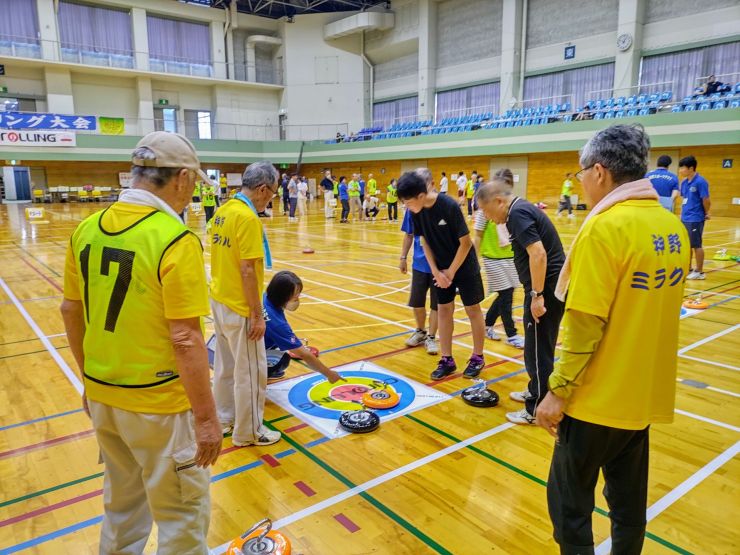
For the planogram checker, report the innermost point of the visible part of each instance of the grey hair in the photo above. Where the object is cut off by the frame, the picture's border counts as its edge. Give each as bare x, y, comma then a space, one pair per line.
258, 174
622, 149
498, 187
159, 177
425, 174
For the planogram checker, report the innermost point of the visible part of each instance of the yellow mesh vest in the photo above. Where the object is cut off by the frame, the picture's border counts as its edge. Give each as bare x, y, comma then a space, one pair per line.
208, 195
127, 339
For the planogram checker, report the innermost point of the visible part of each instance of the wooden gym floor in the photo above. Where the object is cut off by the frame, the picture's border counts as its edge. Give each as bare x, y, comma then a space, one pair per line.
445, 479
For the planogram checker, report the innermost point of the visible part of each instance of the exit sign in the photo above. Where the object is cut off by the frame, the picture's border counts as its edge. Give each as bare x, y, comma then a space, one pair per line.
163, 101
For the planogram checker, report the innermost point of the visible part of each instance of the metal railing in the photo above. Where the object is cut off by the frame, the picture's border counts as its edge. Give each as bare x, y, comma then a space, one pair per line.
640, 88
92, 55
536, 102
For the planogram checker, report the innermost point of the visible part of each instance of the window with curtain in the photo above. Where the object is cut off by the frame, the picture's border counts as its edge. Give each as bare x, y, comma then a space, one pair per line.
477, 99
572, 85
687, 69
19, 30
198, 124
387, 113
177, 46
95, 35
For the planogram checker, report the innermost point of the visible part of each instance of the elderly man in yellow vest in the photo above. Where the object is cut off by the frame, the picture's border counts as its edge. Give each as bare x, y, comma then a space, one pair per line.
134, 295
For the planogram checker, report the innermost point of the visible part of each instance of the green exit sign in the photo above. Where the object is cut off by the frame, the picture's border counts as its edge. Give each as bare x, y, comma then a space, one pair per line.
163, 101
4, 89
284, 166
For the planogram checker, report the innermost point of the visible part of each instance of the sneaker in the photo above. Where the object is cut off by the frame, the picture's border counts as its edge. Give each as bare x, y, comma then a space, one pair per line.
520, 417
276, 375
418, 337
475, 365
515, 341
491, 334
520, 396
696, 275
267, 438
445, 367
431, 345
226, 429
571, 216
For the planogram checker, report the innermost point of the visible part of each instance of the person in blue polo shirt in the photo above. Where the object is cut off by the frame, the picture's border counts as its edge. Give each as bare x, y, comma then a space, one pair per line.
695, 210
664, 182
421, 281
283, 293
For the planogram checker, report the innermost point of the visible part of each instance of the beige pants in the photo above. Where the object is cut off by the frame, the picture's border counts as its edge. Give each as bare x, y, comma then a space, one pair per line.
355, 208
240, 375
301, 211
150, 475
328, 208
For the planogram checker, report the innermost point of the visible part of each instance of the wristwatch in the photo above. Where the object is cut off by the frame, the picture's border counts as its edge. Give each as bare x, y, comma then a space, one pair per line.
534, 294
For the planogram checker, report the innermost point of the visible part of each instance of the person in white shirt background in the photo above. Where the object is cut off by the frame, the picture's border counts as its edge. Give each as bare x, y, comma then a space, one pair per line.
302, 196
443, 184
462, 185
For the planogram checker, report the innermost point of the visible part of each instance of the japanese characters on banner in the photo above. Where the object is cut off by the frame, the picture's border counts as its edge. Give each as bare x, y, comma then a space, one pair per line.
51, 122
37, 138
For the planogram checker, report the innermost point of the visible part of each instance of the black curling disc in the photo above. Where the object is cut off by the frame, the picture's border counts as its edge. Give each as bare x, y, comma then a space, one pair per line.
359, 421
480, 397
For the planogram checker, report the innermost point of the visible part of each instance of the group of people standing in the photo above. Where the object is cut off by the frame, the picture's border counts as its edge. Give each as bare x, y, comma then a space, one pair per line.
357, 197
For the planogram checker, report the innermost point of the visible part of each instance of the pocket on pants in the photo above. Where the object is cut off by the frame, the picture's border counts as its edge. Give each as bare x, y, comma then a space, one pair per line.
192, 479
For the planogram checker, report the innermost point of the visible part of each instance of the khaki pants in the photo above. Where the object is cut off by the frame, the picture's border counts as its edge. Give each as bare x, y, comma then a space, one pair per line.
240, 375
150, 476
328, 208
302, 211
355, 207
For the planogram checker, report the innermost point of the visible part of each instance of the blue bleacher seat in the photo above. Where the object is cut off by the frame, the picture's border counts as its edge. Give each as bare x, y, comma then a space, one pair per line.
719, 105
705, 106
641, 99
599, 115
619, 101
676, 108
666, 96
632, 100
568, 117
686, 100
737, 88
689, 108
619, 114
609, 103
643, 112
735, 103
632, 113
653, 97
565, 107
609, 115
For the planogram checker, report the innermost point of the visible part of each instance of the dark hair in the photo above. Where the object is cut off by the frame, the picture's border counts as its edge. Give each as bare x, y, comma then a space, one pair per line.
411, 185
443, 173
687, 162
505, 175
282, 287
664, 161
342, 178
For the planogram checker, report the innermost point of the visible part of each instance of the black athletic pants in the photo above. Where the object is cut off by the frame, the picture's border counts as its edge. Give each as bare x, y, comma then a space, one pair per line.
392, 211
209, 212
539, 345
502, 307
345, 209
582, 450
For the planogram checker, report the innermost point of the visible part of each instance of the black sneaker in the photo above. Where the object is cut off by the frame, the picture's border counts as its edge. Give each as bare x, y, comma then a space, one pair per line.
475, 365
444, 368
276, 375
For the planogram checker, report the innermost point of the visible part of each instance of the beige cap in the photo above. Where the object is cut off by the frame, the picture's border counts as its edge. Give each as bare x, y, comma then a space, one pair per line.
171, 150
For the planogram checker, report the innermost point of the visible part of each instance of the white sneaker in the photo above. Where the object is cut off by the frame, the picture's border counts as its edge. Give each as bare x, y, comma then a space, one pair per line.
520, 396
431, 345
226, 429
571, 216
491, 334
267, 438
693, 274
520, 417
516, 341
418, 337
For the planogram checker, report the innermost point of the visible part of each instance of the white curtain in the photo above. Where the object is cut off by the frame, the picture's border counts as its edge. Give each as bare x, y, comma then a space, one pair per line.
179, 41
18, 21
684, 69
387, 113
573, 85
477, 99
95, 29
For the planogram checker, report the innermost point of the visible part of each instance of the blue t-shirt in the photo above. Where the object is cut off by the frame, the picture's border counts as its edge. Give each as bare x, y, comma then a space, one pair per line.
664, 182
343, 194
693, 193
420, 263
362, 187
279, 335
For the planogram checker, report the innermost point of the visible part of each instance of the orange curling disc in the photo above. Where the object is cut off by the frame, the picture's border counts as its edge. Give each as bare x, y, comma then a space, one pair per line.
696, 305
261, 539
381, 399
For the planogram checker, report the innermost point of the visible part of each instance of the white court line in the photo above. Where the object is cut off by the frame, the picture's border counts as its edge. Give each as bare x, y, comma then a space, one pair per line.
708, 339
679, 491
708, 291
708, 420
708, 387
712, 362
71, 376
56, 335
375, 482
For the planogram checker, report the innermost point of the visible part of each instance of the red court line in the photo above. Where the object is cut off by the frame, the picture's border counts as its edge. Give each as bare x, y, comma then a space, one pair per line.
51, 281
47, 443
269, 459
347, 523
305, 489
50, 508
295, 428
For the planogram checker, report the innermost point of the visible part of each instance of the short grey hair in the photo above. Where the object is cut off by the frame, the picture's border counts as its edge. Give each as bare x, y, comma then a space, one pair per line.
425, 174
498, 187
622, 149
159, 177
258, 174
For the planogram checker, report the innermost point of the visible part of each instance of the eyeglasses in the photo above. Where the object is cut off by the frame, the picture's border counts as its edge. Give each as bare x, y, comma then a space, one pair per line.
579, 175
273, 191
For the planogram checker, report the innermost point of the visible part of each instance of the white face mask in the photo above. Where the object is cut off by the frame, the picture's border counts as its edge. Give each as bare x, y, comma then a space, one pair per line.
293, 305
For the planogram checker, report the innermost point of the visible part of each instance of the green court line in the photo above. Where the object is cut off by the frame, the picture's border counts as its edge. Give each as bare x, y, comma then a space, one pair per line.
540, 481
367, 497
49, 490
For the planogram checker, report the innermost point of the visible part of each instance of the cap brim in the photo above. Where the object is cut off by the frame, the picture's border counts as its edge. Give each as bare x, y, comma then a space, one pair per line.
205, 177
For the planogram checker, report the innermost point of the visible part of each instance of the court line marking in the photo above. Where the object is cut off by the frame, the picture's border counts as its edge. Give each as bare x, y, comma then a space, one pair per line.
343, 496
712, 362
708, 420
682, 489
71, 376
696, 384
708, 339
40, 419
